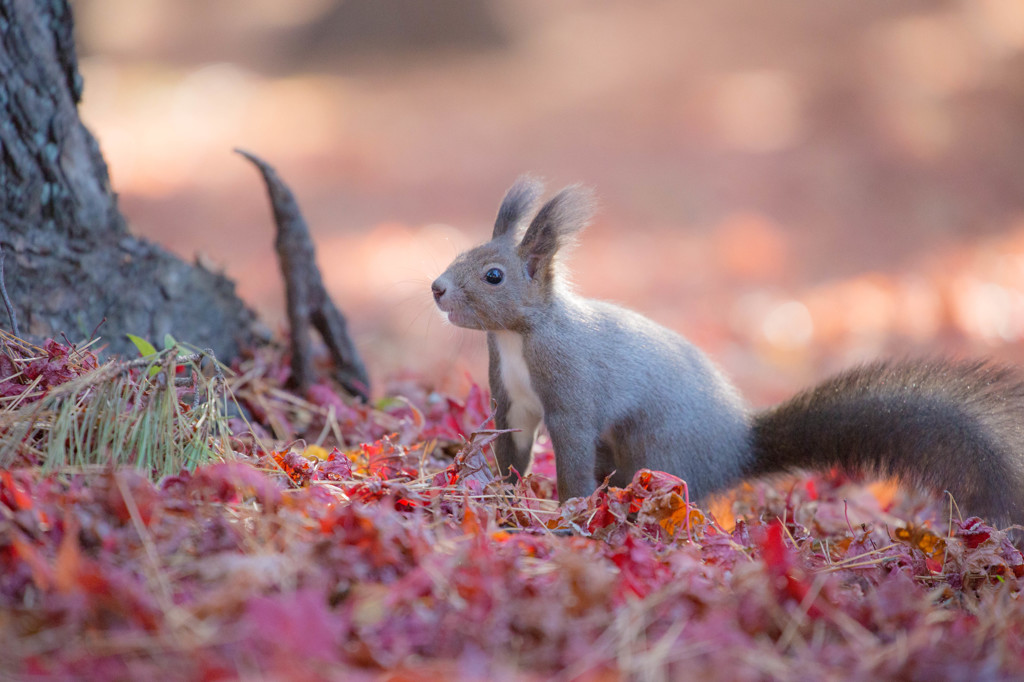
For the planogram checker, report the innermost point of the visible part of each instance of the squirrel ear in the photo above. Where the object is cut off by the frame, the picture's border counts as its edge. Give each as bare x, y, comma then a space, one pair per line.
554, 225
520, 200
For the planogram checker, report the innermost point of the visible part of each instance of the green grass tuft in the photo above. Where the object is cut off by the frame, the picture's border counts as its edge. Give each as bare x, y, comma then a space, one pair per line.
140, 413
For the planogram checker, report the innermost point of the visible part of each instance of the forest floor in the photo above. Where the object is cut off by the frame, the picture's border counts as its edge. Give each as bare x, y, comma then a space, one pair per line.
323, 539
795, 188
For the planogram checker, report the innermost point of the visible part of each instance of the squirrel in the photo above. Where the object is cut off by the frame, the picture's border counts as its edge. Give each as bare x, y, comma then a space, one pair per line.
619, 392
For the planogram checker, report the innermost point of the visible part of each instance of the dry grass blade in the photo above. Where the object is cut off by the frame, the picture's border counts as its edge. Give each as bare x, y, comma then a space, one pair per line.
123, 413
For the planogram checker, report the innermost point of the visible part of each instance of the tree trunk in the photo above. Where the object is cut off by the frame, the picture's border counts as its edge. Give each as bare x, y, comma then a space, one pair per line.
70, 261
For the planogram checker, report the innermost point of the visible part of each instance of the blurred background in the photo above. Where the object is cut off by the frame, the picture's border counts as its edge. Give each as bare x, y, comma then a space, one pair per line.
796, 186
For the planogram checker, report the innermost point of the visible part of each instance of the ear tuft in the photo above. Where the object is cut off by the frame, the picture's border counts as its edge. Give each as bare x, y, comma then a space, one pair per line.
555, 224
568, 212
520, 201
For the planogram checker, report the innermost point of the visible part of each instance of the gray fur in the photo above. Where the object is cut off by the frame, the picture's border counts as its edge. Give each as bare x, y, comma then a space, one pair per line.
953, 426
554, 227
618, 392
519, 203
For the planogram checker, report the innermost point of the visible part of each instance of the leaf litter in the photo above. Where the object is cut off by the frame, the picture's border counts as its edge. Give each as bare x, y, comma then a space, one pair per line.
319, 538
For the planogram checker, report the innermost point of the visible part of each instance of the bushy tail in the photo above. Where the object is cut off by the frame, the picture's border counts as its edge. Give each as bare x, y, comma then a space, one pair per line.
948, 426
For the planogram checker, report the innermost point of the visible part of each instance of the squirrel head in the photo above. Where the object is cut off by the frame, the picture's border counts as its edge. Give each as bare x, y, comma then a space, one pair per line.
500, 285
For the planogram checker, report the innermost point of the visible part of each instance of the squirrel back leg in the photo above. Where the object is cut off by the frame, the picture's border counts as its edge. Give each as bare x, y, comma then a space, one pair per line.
606, 465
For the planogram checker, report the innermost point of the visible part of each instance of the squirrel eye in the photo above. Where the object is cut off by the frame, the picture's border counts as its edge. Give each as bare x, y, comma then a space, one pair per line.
494, 276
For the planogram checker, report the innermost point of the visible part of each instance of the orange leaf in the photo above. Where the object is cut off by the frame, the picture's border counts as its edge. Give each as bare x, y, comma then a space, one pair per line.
471, 521
69, 557
41, 572
922, 538
720, 507
19, 497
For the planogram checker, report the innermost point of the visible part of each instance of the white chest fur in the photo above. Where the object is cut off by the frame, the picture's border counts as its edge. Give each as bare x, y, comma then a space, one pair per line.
525, 409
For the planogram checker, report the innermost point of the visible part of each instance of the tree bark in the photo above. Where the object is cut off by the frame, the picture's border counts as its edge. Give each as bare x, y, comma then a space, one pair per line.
70, 259
308, 302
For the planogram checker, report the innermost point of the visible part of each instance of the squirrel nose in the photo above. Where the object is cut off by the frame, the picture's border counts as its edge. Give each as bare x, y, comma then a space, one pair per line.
438, 290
